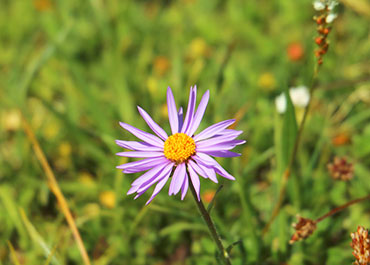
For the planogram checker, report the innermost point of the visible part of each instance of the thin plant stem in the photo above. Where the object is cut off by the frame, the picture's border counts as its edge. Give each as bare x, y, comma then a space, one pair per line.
13, 254
342, 207
54, 187
288, 169
212, 229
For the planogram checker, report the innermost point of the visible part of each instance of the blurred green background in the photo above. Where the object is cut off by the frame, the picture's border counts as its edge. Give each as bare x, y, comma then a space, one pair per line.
76, 68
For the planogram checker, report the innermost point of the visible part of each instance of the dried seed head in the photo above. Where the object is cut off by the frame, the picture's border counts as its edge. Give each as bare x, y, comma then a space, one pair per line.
361, 246
323, 19
341, 169
303, 229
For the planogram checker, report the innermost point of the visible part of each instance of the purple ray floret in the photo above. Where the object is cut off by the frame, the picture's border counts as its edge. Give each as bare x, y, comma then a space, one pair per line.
182, 156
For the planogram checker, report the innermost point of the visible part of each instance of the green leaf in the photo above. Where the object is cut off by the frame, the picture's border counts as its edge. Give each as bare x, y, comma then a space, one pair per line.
230, 247
49, 253
289, 130
10, 208
181, 226
209, 208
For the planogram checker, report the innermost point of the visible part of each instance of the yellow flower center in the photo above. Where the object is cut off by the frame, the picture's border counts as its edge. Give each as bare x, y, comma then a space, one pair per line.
179, 147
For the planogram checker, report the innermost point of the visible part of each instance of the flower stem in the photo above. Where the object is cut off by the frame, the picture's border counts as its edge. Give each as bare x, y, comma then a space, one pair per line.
342, 207
211, 226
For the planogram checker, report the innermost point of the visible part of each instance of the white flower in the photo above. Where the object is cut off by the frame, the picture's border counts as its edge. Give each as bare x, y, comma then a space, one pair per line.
300, 97
280, 102
318, 5
330, 18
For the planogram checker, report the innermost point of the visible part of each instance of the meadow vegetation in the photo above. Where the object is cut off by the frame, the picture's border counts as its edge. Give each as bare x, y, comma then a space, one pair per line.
71, 70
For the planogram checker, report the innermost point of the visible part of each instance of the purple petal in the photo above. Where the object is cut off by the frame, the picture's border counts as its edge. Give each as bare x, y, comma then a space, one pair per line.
140, 154
137, 169
195, 180
222, 172
152, 124
206, 160
235, 142
142, 191
147, 137
217, 147
222, 153
177, 179
213, 130
219, 140
132, 190
230, 132
172, 112
184, 187
159, 176
138, 146
159, 187
199, 114
190, 110
149, 163
149, 175
181, 118
204, 171
139, 194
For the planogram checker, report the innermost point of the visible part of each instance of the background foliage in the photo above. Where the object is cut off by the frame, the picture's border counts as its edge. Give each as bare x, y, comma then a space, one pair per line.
76, 68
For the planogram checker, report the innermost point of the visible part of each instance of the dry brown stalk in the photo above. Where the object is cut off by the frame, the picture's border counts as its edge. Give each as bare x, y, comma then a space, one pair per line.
306, 227
54, 187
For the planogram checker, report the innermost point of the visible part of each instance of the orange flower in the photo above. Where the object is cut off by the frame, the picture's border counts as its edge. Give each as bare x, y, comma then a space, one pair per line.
341, 139
208, 195
161, 65
295, 51
42, 5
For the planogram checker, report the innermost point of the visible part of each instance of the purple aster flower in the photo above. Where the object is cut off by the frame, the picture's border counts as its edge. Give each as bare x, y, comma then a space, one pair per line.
183, 155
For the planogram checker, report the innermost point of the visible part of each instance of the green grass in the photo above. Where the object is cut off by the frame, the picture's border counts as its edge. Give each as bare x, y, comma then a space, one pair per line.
76, 68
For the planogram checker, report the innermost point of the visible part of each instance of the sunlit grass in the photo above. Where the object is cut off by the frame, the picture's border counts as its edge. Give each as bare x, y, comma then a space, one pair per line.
74, 69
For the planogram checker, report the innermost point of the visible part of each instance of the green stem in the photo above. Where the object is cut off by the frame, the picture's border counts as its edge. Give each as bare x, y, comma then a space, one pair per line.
211, 226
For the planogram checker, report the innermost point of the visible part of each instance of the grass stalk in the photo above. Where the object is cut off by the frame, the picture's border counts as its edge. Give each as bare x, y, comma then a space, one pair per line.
54, 187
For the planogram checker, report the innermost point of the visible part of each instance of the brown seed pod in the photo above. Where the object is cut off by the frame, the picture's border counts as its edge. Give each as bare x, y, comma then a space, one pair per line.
361, 246
341, 169
303, 229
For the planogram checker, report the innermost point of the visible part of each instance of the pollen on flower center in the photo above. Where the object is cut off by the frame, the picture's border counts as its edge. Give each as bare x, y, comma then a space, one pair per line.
179, 147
